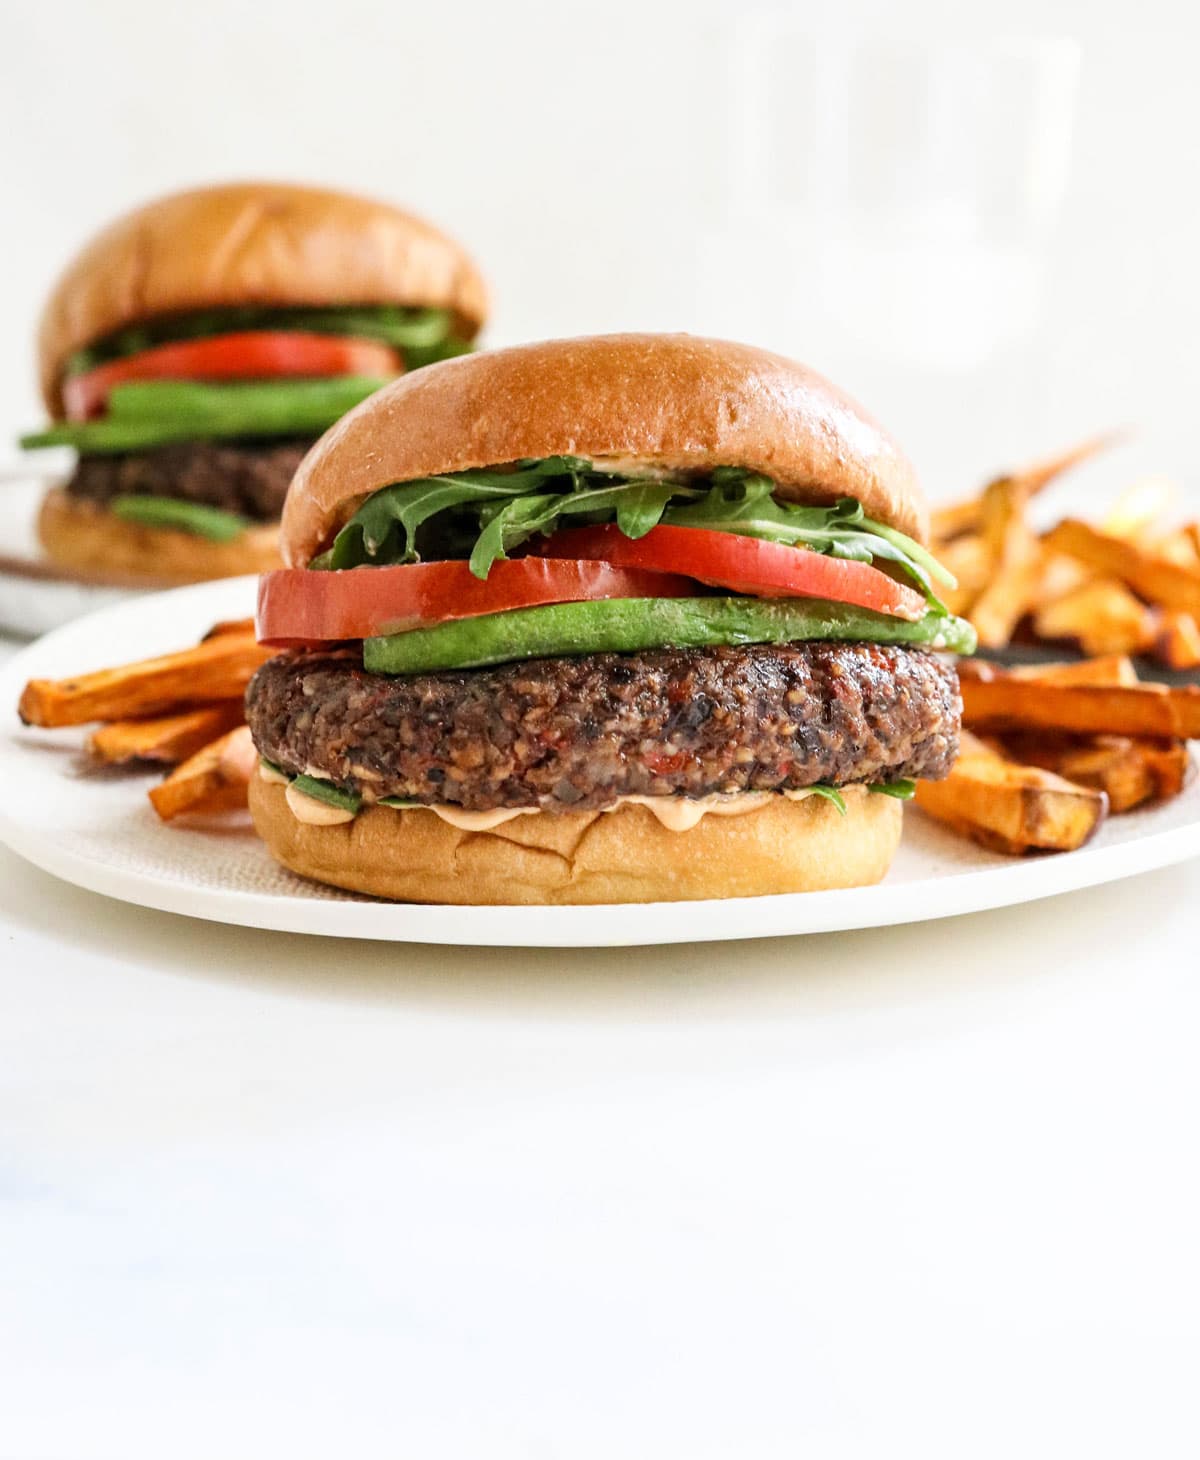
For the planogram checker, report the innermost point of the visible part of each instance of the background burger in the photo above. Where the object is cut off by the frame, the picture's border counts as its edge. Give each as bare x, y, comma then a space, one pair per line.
198, 346
601, 620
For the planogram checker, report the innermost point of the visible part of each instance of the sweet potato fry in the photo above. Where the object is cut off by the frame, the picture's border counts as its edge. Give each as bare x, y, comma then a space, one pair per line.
969, 560
967, 516
214, 779
1105, 669
167, 738
1039, 474
1012, 808
1002, 702
216, 670
1156, 579
1130, 771
1059, 575
1016, 562
1178, 641
1104, 617
955, 519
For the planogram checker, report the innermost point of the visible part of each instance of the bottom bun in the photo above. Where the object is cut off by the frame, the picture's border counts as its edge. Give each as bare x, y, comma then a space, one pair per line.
92, 541
625, 855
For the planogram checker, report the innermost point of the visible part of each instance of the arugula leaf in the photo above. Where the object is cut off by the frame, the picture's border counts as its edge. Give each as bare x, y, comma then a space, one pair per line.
384, 528
902, 790
512, 524
641, 503
641, 507
171, 512
321, 790
371, 534
500, 509
831, 793
746, 505
424, 335
914, 550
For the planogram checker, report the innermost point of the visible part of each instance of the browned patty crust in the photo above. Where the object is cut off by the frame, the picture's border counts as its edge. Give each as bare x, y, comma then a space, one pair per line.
573, 734
249, 478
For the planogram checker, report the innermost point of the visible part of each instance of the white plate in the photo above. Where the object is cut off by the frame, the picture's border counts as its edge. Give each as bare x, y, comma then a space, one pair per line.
34, 597
98, 831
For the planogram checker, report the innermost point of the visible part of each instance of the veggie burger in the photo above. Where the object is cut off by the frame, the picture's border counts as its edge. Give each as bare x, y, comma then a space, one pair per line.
621, 619
198, 346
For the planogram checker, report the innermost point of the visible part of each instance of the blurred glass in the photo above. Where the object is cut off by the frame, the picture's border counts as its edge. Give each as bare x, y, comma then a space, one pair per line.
891, 207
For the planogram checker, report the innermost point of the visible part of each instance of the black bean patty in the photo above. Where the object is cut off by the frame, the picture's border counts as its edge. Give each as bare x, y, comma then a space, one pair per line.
249, 478
569, 734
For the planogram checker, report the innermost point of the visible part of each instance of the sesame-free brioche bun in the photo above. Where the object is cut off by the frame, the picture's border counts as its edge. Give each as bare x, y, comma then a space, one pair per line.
94, 543
625, 855
671, 402
270, 244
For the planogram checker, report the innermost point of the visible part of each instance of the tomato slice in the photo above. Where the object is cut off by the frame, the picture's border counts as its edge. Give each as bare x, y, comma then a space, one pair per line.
743, 565
303, 606
250, 355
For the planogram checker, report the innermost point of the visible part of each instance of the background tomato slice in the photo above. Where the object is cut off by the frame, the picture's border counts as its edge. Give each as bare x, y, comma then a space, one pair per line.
743, 565
303, 606
250, 355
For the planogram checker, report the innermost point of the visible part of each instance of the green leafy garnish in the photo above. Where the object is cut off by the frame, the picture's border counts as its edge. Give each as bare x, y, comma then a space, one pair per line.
170, 512
326, 791
423, 335
498, 510
746, 504
830, 793
901, 790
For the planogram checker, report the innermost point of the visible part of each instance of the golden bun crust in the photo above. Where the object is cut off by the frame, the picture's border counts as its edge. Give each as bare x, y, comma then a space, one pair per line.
676, 402
251, 243
618, 856
88, 540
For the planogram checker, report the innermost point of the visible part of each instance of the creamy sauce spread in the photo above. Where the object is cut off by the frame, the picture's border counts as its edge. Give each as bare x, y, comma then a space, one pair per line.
632, 466
676, 813
474, 820
679, 813
313, 812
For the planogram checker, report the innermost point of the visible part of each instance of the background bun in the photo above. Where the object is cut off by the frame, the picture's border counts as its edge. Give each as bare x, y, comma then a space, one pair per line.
251, 243
589, 857
90, 540
673, 401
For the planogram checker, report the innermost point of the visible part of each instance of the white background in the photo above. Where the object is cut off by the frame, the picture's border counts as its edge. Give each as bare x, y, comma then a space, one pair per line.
926, 1192
595, 159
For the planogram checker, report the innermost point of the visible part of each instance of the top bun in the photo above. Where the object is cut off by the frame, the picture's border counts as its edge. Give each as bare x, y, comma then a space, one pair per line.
251, 244
674, 402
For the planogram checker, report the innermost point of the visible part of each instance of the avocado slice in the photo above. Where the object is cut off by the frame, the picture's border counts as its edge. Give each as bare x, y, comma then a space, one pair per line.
626, 625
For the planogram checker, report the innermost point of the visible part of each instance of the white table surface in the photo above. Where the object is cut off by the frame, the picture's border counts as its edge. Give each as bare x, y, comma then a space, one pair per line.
931, 1191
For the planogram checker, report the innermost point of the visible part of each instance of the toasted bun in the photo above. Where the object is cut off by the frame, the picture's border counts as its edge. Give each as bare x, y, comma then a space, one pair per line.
673, 402
94, 543
251, 243
625, 855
